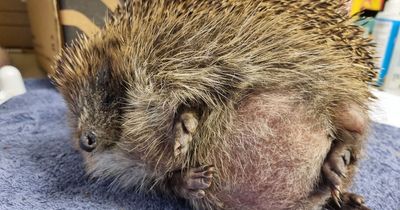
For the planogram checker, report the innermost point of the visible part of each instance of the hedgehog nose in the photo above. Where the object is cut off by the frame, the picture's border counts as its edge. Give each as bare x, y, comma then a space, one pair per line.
87, 141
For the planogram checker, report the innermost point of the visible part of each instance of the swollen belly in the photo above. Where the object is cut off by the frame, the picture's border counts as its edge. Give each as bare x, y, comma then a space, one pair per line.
279, 150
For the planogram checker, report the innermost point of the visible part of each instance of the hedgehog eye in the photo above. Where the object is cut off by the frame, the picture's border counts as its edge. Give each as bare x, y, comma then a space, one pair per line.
108, 100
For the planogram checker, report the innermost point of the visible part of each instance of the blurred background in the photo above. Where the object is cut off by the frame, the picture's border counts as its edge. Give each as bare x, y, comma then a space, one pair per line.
32, 32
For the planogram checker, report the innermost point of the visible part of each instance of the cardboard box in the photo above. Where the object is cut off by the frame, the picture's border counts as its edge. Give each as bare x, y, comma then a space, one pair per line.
12, 6
56, 23
14, 18
47, 37
15, 31
26, 62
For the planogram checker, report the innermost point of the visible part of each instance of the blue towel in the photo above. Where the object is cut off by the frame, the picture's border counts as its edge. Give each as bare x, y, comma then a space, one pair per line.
40, 170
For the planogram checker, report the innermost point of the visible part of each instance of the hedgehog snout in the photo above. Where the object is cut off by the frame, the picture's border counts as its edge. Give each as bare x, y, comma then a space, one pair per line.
87, 141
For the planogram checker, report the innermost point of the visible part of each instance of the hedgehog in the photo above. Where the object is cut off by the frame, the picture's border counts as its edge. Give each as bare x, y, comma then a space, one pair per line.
229, 104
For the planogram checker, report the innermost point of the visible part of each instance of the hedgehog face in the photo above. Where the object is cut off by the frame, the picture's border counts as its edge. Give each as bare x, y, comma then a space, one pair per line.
95, 114
93, 93
92, 76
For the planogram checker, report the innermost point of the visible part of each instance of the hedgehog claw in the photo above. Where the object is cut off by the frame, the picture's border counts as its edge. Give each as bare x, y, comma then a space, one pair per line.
347, 201
336, 197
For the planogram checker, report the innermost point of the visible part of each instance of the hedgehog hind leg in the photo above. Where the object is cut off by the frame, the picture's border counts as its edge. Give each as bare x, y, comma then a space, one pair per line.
341, 161
338, 169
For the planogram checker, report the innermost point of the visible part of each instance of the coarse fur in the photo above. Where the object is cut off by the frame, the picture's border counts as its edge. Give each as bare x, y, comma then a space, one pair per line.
269, 79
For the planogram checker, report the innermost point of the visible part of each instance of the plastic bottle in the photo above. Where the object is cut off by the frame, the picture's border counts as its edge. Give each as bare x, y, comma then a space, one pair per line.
386, 34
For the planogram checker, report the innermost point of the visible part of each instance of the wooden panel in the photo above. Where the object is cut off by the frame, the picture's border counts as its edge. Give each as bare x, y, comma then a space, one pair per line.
14, 19
15, 37
25, 61
44, 21
12, 5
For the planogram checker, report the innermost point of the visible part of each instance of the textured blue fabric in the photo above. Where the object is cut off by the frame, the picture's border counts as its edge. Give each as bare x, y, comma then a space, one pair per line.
40, 170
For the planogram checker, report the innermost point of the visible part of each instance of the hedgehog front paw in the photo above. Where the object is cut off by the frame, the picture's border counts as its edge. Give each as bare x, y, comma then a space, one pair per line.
195, 181
185, 127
